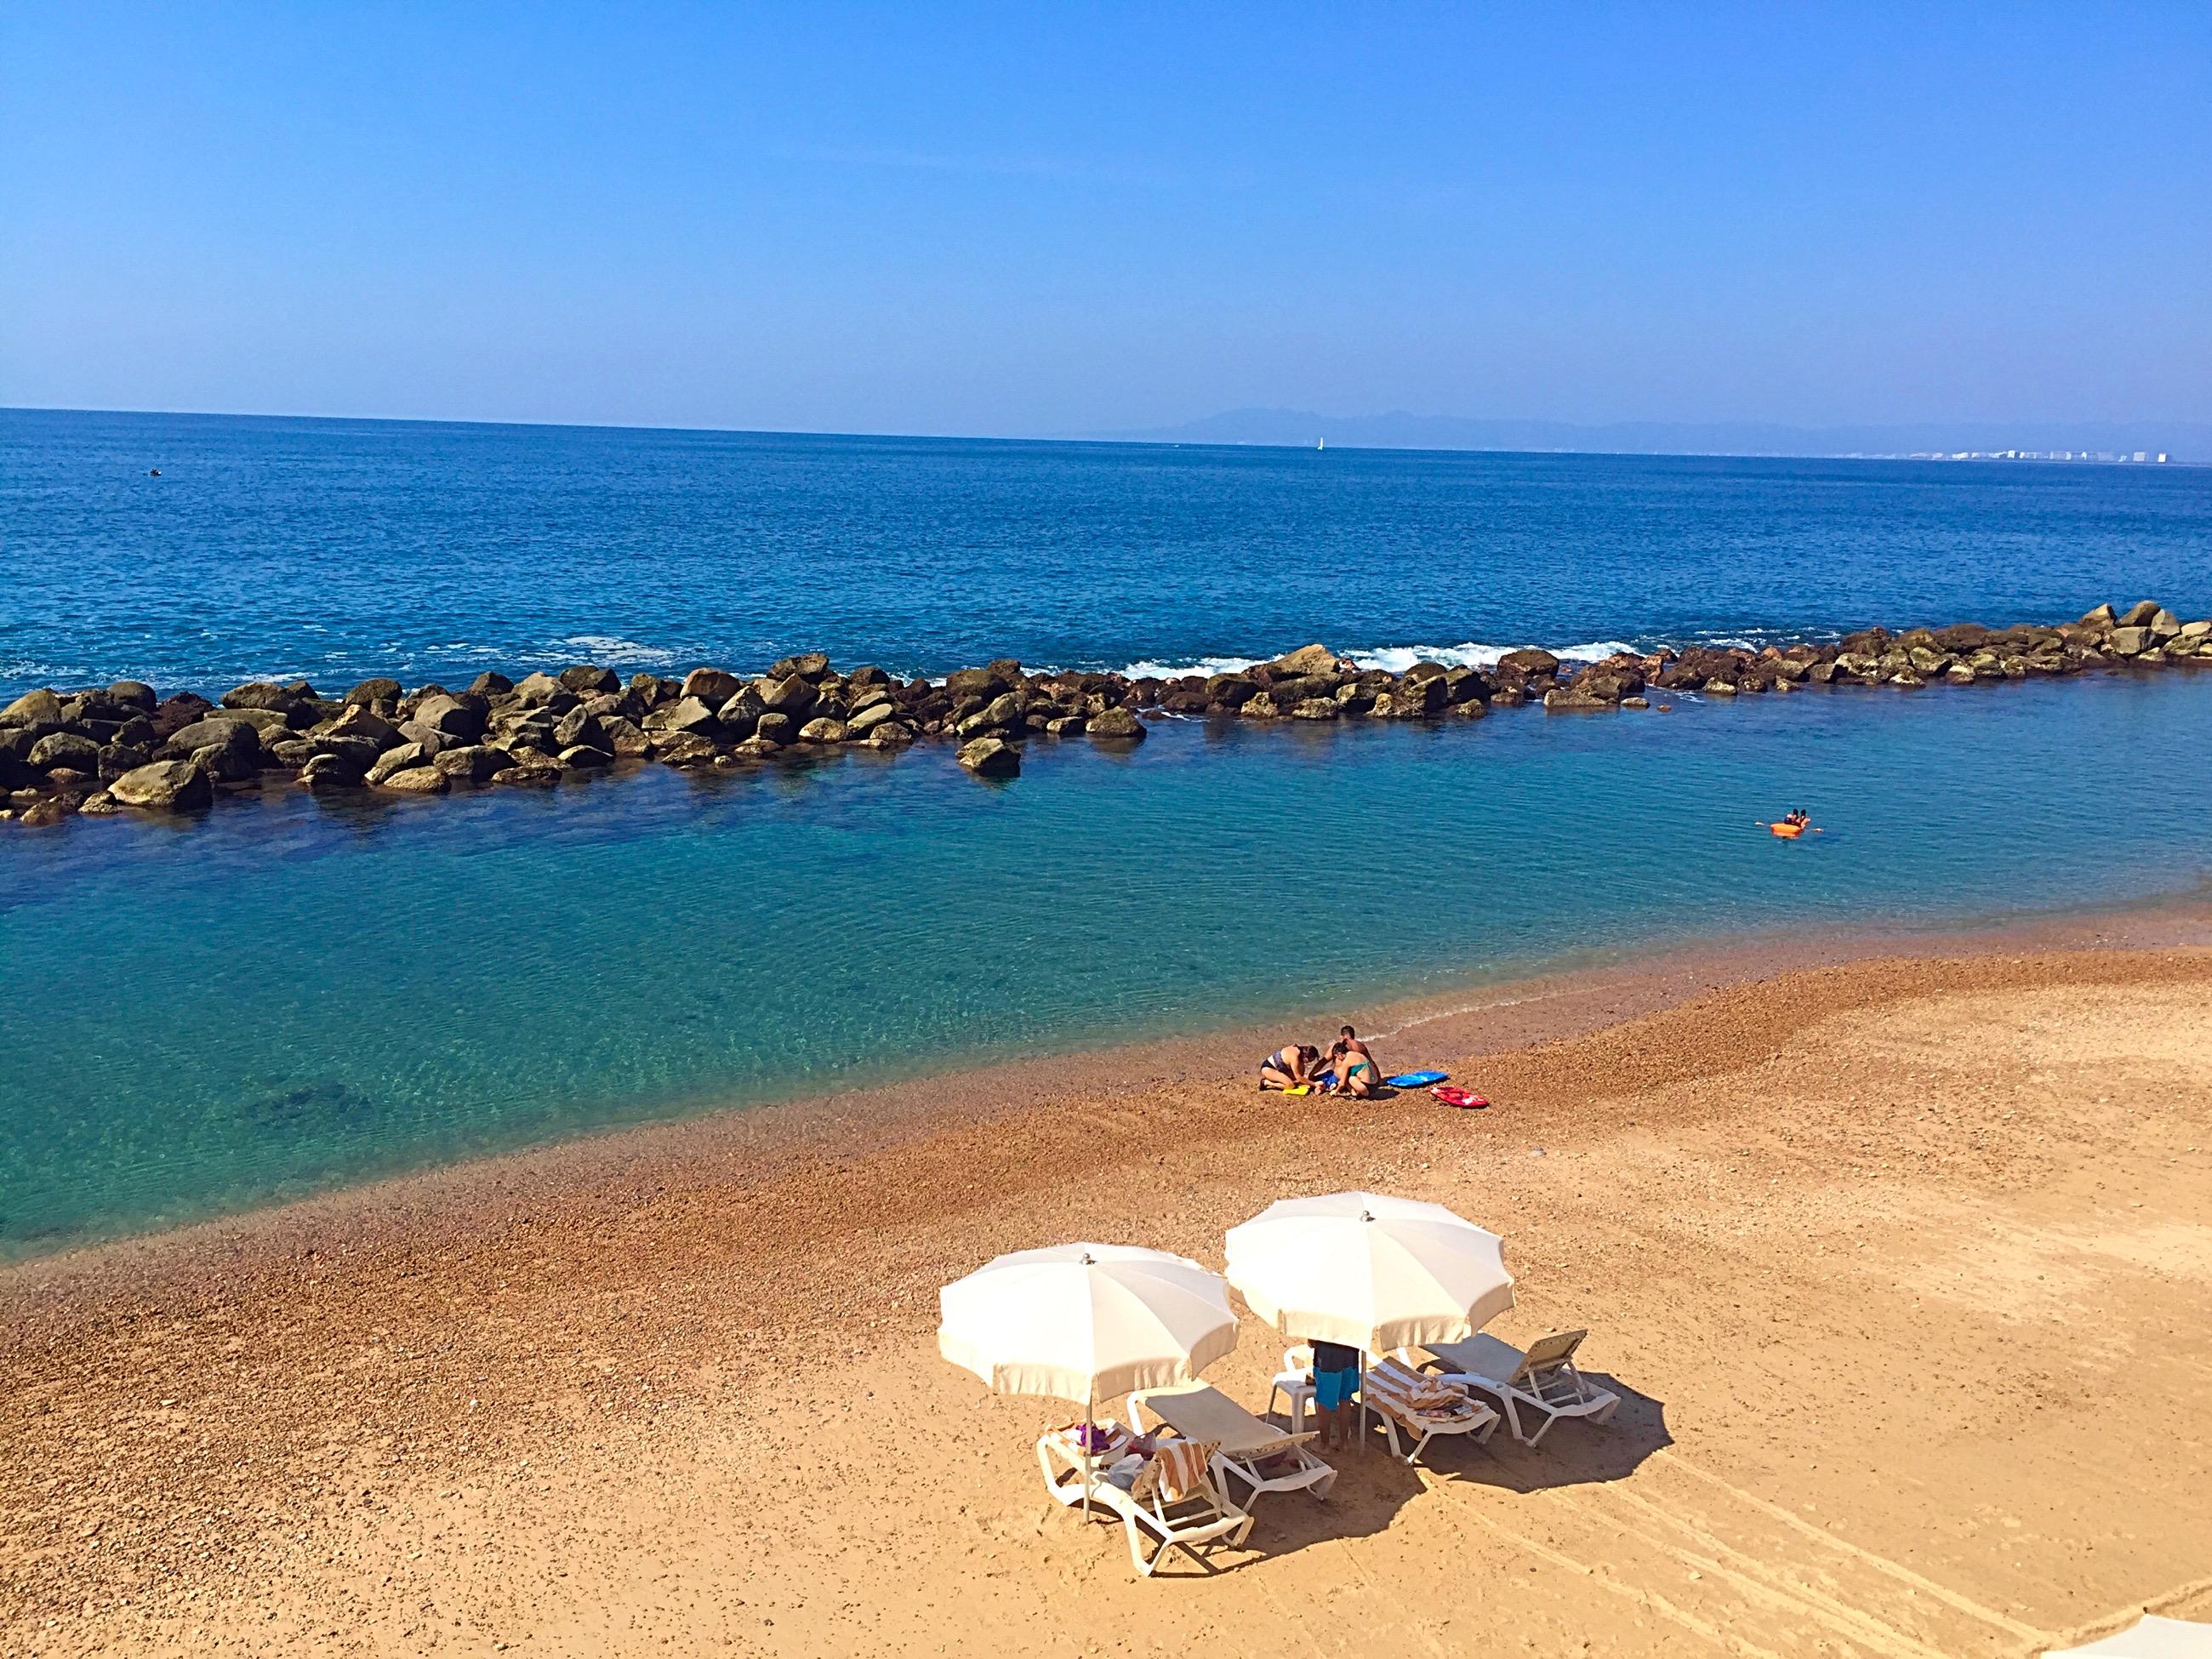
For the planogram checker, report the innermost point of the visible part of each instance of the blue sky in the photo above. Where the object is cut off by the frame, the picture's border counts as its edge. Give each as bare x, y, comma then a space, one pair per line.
1042, 219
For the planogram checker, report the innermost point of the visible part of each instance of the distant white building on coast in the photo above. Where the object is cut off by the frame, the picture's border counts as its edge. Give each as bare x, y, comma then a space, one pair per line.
2148, 458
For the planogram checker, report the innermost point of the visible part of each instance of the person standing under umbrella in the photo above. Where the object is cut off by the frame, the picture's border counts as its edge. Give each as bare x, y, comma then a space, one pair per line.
1336, 1387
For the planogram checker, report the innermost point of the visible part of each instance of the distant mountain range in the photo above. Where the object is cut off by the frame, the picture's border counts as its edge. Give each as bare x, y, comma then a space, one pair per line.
2188, 441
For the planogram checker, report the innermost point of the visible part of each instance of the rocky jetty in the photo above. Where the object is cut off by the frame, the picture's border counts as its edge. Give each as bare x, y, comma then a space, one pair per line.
109, 748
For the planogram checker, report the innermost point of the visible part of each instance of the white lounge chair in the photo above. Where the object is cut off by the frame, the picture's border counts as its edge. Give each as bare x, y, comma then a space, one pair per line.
1247, 1449
1199, 1515
1541, 1385
1420, 1406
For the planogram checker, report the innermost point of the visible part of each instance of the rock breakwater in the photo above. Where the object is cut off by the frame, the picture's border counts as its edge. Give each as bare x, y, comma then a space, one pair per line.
107, 748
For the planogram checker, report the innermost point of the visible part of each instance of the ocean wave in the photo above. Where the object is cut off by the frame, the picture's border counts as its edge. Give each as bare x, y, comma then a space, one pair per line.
611, 651
1393, 658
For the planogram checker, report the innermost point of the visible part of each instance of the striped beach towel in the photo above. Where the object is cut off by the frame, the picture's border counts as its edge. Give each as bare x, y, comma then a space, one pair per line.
1179, 1468
1395, 1386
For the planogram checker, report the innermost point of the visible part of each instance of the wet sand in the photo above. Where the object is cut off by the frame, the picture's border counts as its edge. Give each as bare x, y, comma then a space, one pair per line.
1901, 1263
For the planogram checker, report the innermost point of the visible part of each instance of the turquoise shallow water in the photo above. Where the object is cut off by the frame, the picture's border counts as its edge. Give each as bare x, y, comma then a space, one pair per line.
301, 992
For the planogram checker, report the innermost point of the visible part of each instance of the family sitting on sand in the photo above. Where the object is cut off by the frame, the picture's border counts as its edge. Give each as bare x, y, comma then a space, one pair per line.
1298, 1067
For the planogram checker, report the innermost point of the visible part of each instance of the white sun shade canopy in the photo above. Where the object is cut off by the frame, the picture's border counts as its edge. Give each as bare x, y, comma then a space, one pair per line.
2148, 1638
1368, 1271
1087, 1321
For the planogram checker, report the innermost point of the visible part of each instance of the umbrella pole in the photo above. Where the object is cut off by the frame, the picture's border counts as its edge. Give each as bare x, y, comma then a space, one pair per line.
1089, 1433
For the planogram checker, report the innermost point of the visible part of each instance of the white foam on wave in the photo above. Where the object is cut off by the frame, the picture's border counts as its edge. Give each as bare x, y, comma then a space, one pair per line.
608, 652
1393, 659
1149, 670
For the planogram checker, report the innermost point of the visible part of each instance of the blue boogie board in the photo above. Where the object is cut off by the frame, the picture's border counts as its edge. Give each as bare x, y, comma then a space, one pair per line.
1416, 1080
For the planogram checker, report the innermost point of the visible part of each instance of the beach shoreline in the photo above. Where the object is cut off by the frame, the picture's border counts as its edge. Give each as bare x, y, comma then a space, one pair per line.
542, 1399
752, 1140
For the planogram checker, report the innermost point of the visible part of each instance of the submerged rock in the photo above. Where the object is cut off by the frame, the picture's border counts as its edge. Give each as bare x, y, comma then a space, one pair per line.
991, 757
176, 786
1112, 725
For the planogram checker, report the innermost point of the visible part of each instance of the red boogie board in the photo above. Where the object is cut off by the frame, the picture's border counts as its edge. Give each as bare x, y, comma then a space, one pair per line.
1451, 1095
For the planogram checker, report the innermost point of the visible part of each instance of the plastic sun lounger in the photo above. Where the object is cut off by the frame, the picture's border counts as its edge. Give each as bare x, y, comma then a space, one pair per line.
1200, 1517
1541, 1384
1390, 1388
1244, 1443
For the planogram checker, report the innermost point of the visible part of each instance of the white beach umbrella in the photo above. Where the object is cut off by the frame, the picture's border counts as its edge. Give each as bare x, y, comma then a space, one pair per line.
1371, 1272
1087, 1321
2148, 1638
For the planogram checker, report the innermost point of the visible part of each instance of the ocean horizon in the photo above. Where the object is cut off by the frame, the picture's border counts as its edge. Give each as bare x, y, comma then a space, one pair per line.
303, 992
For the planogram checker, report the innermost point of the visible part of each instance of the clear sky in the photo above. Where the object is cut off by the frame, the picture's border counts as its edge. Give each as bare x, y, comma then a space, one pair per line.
1048, 218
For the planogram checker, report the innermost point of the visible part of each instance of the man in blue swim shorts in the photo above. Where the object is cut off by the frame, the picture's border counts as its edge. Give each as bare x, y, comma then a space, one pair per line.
1336, 1385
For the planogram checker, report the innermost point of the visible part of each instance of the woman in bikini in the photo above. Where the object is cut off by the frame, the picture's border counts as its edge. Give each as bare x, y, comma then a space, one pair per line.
1356, 1071
1290, 1066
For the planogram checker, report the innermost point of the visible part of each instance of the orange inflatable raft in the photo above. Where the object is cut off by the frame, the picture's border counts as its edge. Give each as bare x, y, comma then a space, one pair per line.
1787, 831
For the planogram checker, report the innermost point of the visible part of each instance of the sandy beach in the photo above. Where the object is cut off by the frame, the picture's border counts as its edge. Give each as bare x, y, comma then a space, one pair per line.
1901, 1264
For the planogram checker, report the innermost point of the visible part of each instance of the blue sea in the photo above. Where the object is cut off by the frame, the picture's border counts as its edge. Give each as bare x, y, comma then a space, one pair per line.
298, 993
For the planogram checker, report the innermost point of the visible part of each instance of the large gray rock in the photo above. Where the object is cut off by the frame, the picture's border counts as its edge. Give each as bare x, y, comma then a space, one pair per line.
225, 746
823, 731
866, 720
626, 735
991, 757
133, 694
807, 664
1307, 660
577, 727
404, 757
583, 757
1116, 725
776, 727
370, 692
65, 749
268, 696
793, 695
740, 713
120, 758
328, 775
178, 785
585, 679
2139, 614
33, 706
711, 686
428, 739
472, 763
460, 715
359, 723
356, 752
416, 780
2130, 640
685, 749
1529, 660
982, 683
685, 715
534, 690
